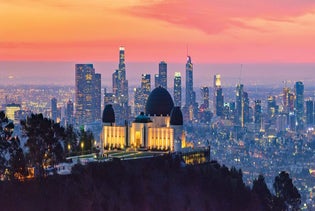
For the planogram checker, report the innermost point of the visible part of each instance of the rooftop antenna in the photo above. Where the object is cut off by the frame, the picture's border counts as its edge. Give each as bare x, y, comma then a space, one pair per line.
240, 78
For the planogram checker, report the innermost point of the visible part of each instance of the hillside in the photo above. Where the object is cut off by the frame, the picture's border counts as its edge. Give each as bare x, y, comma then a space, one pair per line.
160, 183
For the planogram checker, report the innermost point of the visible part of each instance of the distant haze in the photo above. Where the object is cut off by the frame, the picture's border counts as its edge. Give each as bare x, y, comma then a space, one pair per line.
62, 73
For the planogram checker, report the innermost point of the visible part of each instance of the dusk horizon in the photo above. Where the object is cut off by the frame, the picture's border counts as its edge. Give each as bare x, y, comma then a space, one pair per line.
62, 72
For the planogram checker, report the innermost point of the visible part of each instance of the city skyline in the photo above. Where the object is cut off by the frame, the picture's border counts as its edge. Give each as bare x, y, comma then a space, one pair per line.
267, 38
61, 73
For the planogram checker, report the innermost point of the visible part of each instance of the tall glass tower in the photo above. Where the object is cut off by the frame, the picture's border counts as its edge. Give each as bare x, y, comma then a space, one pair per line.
239, 113
120, 89
54, 111
218, 99
87, 94
299, 104
205, 97
163, 74
178, 89
189, 83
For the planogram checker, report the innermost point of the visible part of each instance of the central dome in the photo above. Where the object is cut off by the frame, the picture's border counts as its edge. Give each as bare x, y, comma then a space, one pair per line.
159, 103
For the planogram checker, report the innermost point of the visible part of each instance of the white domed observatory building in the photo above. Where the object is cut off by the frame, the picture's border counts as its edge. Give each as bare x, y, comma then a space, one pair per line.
160, 127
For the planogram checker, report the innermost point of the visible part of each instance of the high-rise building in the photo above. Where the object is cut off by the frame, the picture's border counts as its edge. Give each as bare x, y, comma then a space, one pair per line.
54, 109
218, 99
291, 99
272, 107
246, 108
205, 97
299, 104
310, 112
120, 89
69, 113
142, 94
138, 101
285, 99
257, 112
189, 83
146, 84
98, 96
10, 112
191, 107
178, 89
87, 93
157, 80
163, 74
239, 105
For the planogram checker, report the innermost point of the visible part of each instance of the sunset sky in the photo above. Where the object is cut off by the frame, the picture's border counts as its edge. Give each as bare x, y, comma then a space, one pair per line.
215, 31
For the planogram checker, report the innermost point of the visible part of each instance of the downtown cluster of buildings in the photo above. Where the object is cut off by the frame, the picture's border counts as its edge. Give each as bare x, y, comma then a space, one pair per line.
291, 112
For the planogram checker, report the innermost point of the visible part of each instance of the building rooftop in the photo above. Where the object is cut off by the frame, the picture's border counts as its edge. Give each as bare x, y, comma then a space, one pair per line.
160, 103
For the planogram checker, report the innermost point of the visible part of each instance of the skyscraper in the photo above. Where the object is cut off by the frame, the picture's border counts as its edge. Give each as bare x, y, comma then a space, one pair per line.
299, 104
54, 110
246, 108
163, 74
205, 97
285, 99
120, 89
178, 89
142, 93
257, 112
87, 93
146, 84
310, 112
98, 96
239, 110
191, 107
218, 99
156, 80
138, 103
272, 107
69, 113
189, 83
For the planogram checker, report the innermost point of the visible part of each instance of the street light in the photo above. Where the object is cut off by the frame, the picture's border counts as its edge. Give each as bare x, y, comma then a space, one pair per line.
82, 146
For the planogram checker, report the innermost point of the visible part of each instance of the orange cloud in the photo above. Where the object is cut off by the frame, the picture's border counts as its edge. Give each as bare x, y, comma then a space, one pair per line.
216, 31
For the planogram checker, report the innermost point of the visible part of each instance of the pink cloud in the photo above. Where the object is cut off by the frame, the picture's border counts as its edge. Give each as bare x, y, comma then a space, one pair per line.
215, 16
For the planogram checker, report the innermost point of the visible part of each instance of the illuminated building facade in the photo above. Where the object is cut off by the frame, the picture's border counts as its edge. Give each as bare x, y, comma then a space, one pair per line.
218, 98
142, 93
10, 111
159, 128
87, 93
177, 89
120, 89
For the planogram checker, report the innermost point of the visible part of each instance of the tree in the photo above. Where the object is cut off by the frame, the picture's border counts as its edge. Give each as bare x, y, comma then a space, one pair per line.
286, 191
261, 189
45, 141
86, 140
71, 140
12, 161
17, 160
